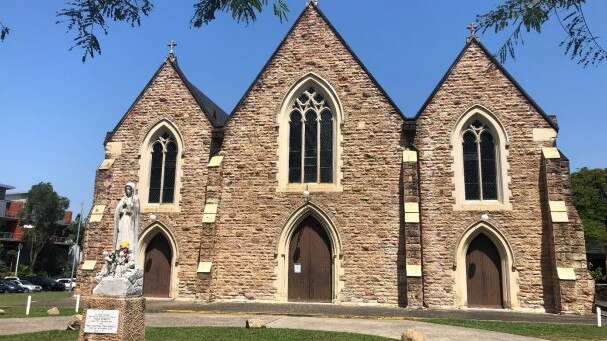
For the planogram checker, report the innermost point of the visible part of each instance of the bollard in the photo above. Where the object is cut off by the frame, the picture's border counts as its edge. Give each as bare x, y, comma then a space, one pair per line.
27, 307
598, 316
77, 303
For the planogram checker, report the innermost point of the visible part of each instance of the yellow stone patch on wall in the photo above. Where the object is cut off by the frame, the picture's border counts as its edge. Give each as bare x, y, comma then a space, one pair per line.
89, 265
106, 164
558, 212
414, 270
566, 274
411, 212
113, 148
544, 134
551, 153
204, 267
210, 213
97, 213
215, 161
409, 156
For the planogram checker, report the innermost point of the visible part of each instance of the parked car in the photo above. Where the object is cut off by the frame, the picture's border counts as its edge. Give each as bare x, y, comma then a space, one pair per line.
27, 286
47, 284
2, 288
12, 286
68, 283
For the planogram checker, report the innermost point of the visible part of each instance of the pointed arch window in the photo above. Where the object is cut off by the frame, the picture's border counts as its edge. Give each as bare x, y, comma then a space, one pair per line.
311, 139
162, 169
480, 166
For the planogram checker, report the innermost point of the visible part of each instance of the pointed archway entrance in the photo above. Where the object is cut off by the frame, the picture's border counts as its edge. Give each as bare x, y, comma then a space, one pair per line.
157, 267
483, 274
310, 263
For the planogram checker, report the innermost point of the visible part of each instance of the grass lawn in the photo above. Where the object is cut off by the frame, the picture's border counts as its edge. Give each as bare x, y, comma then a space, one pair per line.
11, 312
14, 304
548, 331
213, 333
21, 298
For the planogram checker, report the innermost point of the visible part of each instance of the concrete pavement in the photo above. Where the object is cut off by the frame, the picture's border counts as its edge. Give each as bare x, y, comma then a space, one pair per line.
382, 327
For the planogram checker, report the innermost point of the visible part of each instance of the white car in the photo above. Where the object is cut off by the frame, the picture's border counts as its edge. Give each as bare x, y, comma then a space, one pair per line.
68, 283
28, 286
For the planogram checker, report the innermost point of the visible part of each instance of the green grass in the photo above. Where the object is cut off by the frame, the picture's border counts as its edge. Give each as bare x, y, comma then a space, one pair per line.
213, 333
548, 331
12, 312
14, 304
13, 299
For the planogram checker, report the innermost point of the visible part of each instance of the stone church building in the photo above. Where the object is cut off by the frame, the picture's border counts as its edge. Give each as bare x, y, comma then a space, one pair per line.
316, 188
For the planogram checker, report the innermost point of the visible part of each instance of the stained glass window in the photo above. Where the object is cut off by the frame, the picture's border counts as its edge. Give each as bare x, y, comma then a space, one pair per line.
480, 167
163, 170
310, 139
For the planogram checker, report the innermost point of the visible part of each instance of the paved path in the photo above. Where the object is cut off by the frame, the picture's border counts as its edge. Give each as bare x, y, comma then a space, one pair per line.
341, 310
381, 327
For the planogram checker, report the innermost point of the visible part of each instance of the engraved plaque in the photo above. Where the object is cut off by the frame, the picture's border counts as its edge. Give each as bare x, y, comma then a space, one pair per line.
101, 321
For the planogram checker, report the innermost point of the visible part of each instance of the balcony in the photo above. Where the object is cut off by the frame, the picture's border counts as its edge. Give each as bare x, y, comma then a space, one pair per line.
11, 236
62, 240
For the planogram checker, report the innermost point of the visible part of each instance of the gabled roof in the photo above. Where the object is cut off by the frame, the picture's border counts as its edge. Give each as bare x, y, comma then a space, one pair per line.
313, 7
500, 67
212, 111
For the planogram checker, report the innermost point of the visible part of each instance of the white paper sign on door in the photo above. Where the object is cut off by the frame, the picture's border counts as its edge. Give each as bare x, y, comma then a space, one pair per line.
297, 268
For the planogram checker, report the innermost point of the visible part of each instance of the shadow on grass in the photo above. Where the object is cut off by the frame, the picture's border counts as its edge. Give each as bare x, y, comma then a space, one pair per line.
212, 333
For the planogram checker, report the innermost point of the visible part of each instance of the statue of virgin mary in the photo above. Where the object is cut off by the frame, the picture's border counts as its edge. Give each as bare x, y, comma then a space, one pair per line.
126, 220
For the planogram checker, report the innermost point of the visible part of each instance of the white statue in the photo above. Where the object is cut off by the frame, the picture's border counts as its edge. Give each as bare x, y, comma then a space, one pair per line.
120, 275
126, 220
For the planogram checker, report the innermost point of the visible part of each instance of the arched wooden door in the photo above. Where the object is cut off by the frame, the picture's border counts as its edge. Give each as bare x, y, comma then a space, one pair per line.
484, 274
157, 267
310, 263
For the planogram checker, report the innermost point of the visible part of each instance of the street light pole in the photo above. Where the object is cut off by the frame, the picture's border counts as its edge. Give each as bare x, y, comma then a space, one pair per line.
76, 247
19, 247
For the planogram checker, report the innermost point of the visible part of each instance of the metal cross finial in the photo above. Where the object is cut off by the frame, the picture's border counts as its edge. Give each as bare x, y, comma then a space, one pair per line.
472, 27
171, 46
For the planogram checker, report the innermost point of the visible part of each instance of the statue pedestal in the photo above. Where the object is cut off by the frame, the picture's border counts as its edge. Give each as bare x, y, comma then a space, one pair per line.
113, 318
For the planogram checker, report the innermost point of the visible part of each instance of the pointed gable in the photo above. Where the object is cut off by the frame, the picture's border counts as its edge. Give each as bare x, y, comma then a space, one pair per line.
475, 60
214, 114
311, 25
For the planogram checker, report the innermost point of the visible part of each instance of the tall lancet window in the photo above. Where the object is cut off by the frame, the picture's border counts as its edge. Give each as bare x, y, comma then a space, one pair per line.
480, 167
162, 170
310, 139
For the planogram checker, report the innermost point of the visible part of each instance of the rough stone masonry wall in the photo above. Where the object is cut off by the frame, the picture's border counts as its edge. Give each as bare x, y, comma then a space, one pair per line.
366, 213
572, 296
166, 98
473, 81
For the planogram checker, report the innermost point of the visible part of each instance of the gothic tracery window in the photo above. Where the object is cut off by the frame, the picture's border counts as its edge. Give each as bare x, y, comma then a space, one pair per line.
162, 169
310, 139
480, 166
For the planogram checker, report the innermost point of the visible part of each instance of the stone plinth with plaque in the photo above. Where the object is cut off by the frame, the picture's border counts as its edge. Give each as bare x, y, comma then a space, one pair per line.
113, 318
116, 310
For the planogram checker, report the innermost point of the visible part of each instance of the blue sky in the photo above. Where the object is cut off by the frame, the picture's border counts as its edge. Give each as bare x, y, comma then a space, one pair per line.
55, 111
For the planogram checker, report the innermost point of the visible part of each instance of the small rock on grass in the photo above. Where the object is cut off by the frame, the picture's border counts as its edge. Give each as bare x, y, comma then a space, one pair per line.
75, 322
411, 335
2, 312
53, 311
255, 324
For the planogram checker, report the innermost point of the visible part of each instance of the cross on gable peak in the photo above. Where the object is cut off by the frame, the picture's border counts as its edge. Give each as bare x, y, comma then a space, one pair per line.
171, 46
472, 28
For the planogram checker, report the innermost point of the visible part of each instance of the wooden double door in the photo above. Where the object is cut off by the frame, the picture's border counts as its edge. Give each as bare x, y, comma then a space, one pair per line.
310, 263
484, 274
157, 267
